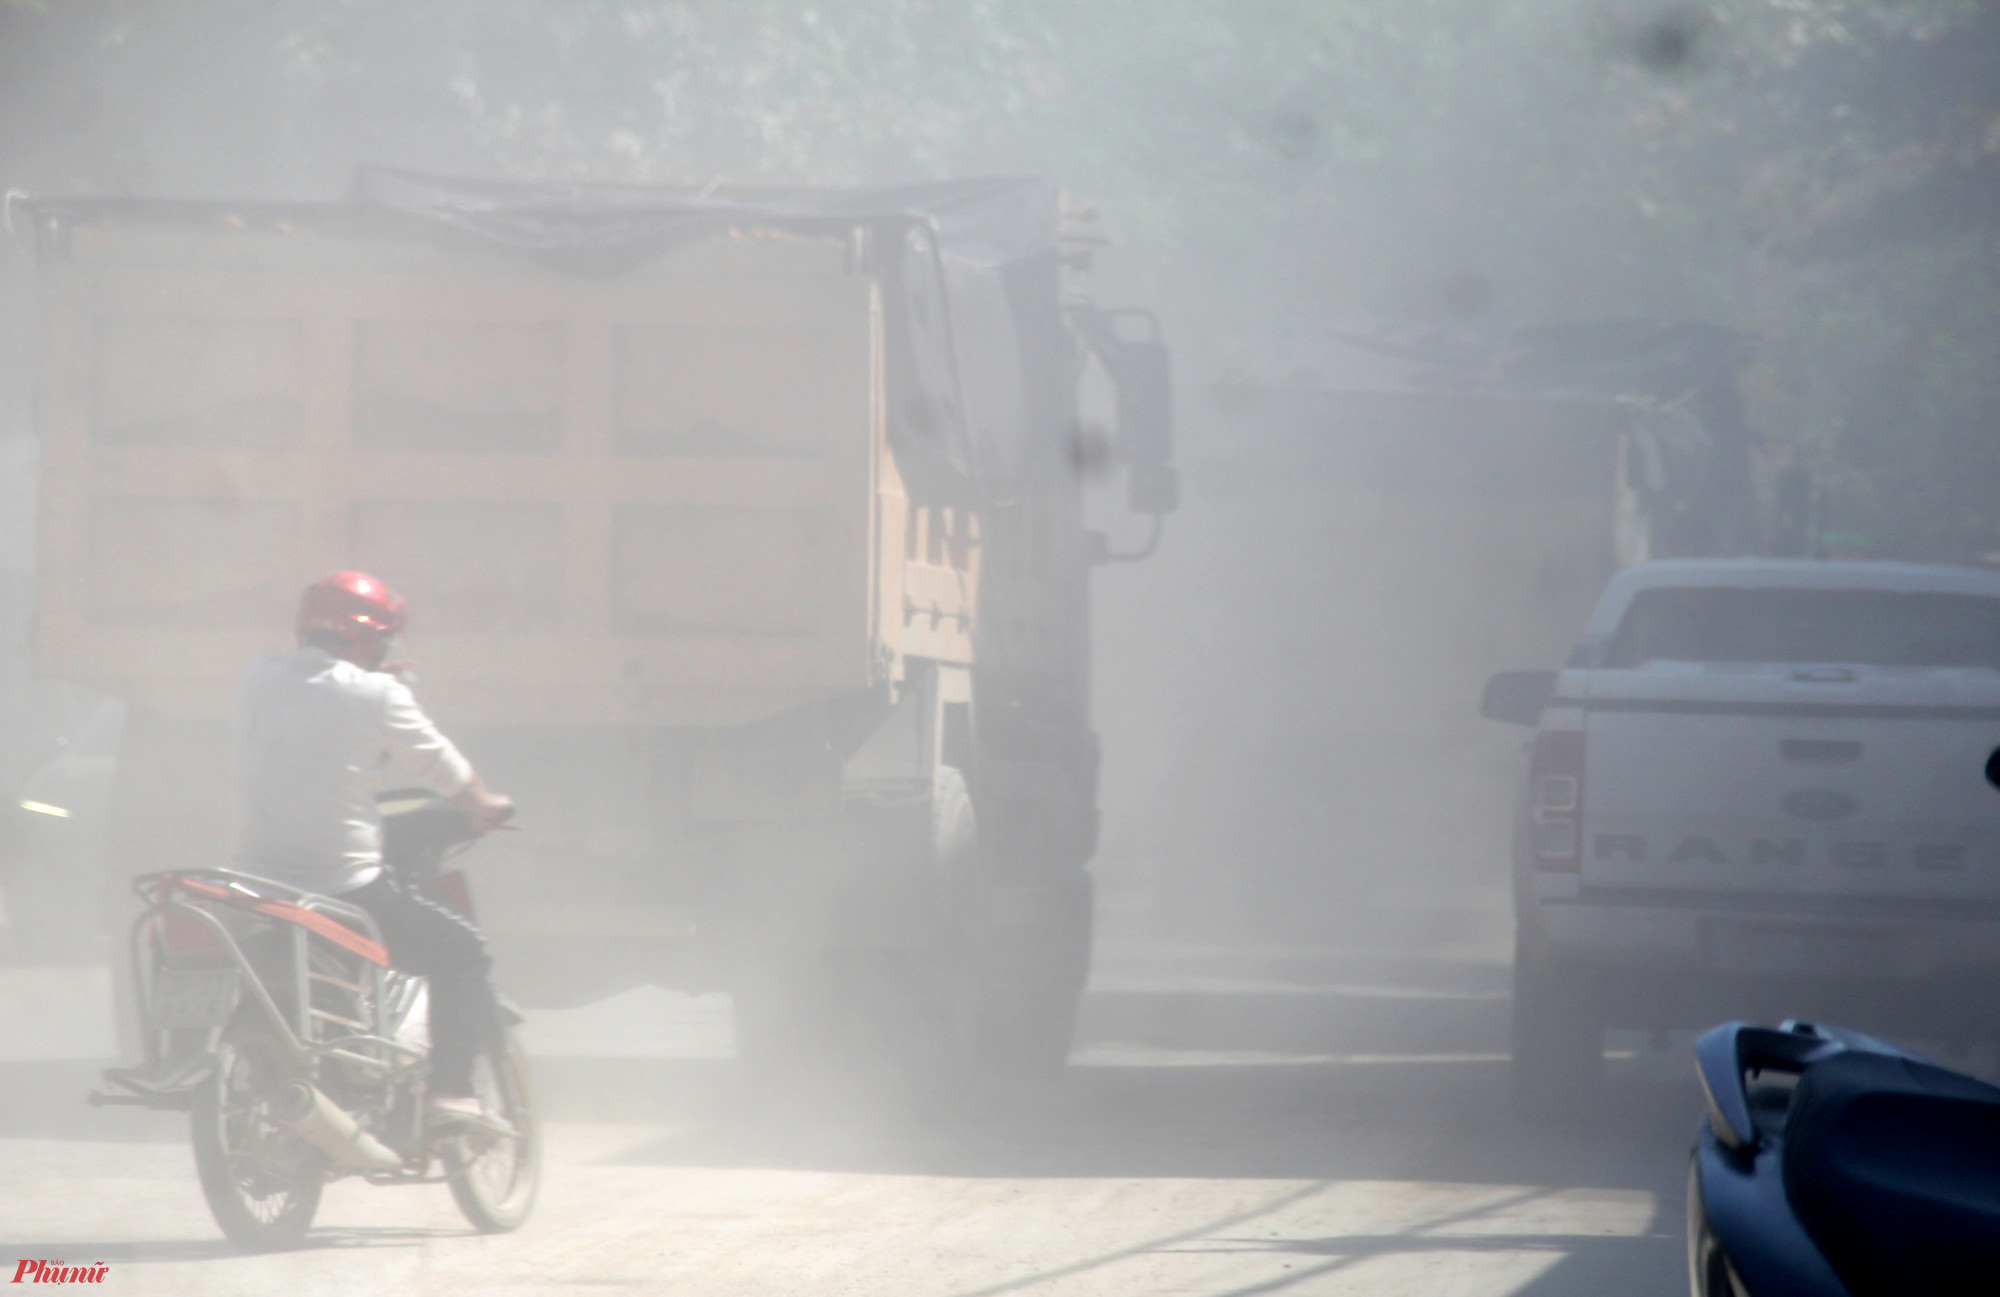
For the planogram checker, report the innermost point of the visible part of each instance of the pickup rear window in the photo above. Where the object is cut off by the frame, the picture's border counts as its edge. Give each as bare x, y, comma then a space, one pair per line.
1859, 627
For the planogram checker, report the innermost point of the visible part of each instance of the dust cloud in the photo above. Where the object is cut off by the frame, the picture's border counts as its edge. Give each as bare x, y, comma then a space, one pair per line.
1429, 276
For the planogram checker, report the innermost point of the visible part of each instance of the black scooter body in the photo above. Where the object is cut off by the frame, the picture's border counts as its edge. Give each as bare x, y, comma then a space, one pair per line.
1836, 1165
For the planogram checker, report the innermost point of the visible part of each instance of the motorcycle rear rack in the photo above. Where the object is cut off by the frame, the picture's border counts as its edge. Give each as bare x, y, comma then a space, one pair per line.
164, 894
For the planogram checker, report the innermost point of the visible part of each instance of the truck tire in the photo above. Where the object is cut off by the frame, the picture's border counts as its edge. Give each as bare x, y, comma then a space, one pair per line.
991, 997
1557, 1039
787, 1020
879, 1020
1036, 959
897, 1012
1017, 952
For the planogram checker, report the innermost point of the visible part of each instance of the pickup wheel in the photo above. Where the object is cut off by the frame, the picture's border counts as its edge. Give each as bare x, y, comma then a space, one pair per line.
1557, 1040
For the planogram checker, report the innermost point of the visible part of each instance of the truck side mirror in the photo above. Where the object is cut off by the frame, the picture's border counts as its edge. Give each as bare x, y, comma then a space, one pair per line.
1144, 376
1517, 697
1993, 768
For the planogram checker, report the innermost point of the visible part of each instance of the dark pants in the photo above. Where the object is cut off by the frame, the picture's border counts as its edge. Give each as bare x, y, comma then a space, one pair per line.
431, 941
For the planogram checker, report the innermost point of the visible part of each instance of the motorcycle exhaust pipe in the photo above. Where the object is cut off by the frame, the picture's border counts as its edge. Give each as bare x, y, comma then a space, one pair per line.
316, 1119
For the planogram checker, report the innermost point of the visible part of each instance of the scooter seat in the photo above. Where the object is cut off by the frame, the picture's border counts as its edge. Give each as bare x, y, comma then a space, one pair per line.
1893, 1167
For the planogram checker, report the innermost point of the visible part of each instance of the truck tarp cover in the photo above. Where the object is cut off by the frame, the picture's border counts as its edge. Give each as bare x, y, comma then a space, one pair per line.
602, 229
969, 271
972, 310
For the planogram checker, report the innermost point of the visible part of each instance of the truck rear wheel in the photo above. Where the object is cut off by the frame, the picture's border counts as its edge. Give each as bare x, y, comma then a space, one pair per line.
1557, 1039
1034, 959
843, 1012
992, 996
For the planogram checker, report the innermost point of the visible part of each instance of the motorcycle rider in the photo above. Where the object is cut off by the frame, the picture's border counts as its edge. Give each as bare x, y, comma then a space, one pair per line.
317, 734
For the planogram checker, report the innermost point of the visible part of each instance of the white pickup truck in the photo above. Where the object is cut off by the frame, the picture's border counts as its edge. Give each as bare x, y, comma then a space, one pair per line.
1757, 790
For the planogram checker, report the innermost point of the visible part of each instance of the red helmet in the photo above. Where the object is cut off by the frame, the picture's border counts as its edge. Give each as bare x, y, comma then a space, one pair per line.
355, 607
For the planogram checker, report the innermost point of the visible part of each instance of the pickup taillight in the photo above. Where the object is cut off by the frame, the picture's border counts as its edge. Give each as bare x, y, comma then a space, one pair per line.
1555, 800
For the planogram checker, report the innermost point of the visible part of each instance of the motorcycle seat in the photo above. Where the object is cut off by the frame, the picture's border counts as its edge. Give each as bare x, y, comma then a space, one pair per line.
1893, 1167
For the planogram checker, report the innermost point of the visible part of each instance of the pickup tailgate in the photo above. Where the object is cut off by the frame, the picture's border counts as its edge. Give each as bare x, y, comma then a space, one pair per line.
1847, 789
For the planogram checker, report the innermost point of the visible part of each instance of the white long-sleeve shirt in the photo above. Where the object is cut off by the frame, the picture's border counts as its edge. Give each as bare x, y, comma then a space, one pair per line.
316, 739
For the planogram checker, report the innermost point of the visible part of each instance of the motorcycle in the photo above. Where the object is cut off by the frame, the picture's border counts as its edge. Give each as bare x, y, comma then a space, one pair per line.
271, 1015
1832, 1164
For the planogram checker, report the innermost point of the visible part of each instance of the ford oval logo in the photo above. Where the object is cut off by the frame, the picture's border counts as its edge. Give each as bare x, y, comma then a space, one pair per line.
1820, 804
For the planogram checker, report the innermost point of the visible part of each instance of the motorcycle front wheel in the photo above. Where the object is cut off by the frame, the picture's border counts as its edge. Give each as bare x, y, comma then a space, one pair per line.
493, 1176
262, 1181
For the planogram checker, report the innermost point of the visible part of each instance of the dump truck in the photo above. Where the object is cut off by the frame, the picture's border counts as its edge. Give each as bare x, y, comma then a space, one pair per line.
744, 534
1409, 509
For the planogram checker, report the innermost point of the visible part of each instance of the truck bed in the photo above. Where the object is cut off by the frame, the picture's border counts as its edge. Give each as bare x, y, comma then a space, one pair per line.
662, 497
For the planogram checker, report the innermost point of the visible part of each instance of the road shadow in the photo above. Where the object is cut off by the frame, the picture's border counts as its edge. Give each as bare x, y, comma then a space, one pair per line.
1310, 1068
1584, 1266
155, 1251
1416, 1119
45, 1100
1305, 1072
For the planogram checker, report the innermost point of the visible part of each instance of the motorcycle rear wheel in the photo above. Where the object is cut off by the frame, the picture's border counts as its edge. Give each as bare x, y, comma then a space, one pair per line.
262, 1181
493, 1177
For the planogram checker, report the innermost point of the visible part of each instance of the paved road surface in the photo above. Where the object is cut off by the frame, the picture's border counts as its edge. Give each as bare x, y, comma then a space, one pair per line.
1283, 1123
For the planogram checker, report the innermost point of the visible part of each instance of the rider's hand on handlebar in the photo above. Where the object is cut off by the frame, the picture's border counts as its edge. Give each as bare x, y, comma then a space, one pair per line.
487, 810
